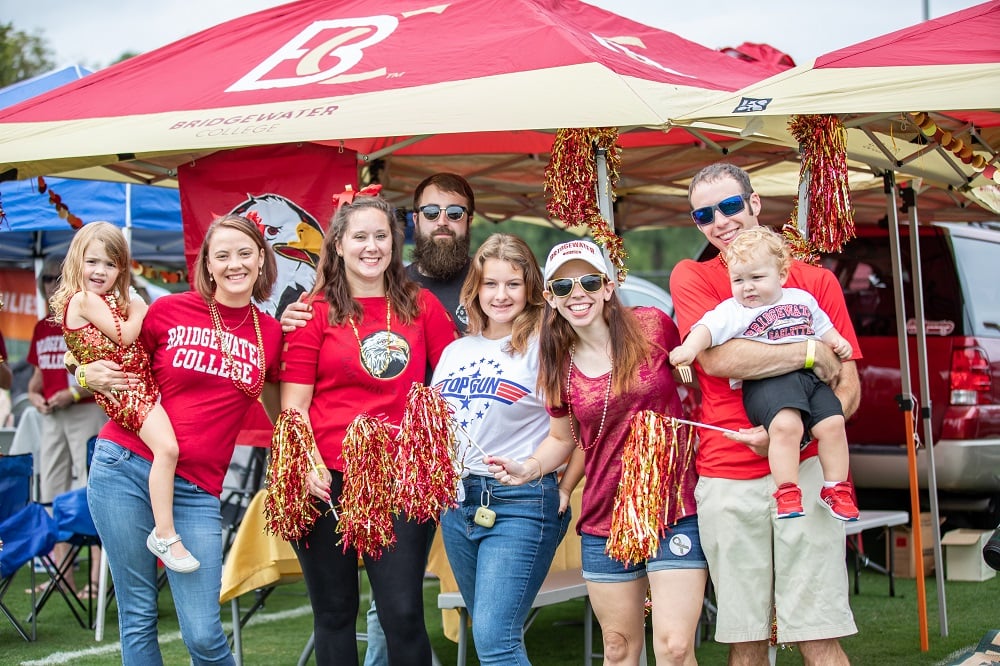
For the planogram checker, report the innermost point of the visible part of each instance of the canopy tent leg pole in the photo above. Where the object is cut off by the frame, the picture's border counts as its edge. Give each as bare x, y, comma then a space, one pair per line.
905, 400
910, 197
604, 197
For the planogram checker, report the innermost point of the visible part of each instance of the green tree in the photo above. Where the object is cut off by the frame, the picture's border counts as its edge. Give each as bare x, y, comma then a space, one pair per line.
22, 55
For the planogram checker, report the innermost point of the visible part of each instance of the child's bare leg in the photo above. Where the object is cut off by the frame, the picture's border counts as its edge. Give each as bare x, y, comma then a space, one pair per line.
833, 449
158, 435
785, 433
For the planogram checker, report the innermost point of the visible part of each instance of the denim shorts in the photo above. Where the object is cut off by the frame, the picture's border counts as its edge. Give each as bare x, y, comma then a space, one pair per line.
680, 548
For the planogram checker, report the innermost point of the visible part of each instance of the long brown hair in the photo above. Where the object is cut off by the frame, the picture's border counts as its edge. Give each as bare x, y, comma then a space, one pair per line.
557, 336
331, 275
262, 286
116, 247
513, 250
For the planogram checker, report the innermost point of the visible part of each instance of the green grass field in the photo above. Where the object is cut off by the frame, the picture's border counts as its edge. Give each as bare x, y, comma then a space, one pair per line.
888, 629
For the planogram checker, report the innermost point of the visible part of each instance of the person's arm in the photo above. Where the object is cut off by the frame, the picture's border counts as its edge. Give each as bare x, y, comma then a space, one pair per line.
571, 478
838, 343
295, 316
551, 453
299, 397
848, 388
747, 359
6, 376
697, 341
86, 307
35, 396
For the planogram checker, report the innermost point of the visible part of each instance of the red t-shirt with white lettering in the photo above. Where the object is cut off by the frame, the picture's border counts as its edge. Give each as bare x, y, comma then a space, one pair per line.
46, 353
330, 359
205, 407
696, 289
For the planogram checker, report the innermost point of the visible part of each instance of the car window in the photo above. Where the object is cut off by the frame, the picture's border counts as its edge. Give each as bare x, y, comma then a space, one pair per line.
864, 270
977, 267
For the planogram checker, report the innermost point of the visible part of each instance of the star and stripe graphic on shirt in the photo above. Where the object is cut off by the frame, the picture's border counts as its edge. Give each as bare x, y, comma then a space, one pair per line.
475, 386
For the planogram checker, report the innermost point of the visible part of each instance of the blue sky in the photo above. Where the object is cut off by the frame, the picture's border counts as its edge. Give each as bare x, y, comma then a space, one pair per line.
95, 32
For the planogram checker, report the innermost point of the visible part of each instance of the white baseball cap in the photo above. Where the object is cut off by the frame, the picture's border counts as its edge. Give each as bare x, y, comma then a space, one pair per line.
571, 250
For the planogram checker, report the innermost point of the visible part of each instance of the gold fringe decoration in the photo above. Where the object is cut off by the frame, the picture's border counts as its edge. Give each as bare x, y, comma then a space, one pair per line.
571, 183
288, 507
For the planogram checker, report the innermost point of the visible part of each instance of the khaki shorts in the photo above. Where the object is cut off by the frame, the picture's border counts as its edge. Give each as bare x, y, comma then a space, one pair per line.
808, 581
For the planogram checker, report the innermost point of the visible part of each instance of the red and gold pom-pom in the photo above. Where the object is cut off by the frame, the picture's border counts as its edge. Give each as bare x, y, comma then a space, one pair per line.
288, 506
571, 183
366, 504
654, 460
799, 246
823, 143
427, 480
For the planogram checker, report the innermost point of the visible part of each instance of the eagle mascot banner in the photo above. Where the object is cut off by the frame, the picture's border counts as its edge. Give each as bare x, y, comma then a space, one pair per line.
288, 189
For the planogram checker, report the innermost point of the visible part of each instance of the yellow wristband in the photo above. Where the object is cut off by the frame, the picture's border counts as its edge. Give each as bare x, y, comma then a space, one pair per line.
76, 394
810, 354
81, 376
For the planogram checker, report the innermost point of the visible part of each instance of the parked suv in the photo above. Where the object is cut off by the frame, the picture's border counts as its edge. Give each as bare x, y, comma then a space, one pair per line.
960, 266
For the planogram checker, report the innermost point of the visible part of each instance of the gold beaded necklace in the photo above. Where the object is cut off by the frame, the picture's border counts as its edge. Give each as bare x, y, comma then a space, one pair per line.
252, 390
375, 372
569, 401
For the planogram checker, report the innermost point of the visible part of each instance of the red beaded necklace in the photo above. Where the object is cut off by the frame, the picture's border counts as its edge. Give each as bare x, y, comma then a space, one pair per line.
252, 390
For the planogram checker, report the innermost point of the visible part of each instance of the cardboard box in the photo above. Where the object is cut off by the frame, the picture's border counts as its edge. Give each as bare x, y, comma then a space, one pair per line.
964, 555
904, 562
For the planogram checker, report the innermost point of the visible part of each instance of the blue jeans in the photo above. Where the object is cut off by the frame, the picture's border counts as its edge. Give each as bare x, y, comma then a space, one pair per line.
118, 495
514, 557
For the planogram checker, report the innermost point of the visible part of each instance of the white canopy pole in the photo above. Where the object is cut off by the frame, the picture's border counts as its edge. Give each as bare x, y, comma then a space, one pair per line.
925, 399
604, 197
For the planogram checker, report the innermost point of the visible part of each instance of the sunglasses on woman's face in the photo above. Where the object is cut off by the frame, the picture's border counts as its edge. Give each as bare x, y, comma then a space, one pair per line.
454, 212
728, 207
590, 284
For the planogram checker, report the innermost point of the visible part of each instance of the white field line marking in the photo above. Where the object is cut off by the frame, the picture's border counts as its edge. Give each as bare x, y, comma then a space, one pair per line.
115, 648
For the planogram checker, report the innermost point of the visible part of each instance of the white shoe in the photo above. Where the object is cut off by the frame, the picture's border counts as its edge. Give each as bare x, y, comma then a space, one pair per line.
161, 548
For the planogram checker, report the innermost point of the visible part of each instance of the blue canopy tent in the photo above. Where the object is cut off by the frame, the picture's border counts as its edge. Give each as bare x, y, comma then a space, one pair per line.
32, 227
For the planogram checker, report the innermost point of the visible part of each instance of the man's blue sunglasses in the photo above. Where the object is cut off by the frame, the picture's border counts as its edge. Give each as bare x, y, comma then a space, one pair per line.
728, 207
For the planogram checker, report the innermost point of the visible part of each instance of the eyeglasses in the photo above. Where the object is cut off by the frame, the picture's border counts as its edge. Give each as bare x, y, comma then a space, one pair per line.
590, 283
454, 212
728, 207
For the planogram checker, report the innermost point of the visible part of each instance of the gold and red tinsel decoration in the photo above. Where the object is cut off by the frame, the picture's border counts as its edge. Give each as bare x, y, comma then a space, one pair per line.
426, 482
654, 459
366, 502
823, 144
288, 507
955, 145
61, 208
797, 244
162, 274
571, 183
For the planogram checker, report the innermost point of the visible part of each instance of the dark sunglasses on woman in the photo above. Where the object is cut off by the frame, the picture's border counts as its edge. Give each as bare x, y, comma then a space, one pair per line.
590, 283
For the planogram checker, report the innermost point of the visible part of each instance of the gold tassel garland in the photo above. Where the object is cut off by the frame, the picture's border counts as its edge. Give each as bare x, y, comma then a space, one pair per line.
427, 479
288, 507
366, 504
654, 460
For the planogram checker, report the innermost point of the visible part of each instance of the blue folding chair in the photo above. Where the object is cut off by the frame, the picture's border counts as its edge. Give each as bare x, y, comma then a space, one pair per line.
26, 531
75, 527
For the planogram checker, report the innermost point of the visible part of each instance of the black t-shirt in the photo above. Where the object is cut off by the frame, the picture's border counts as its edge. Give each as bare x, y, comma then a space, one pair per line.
447, 291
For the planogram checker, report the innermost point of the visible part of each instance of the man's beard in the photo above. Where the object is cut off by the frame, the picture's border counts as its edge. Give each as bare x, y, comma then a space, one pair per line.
438, 258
